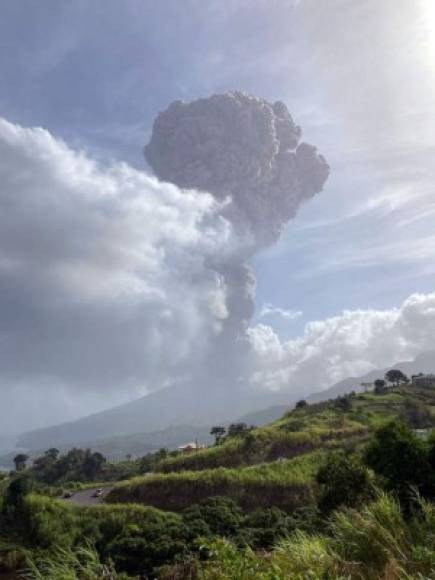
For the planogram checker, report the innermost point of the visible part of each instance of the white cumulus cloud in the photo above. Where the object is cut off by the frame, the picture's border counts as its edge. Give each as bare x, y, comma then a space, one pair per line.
347, 345
104, 281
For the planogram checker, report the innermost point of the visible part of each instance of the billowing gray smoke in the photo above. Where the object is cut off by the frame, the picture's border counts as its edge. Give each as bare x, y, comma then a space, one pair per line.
239, 146
247, 150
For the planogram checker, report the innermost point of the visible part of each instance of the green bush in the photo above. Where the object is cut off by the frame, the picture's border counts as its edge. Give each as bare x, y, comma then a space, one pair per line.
343, 482
402, 460
375, 542
117, 532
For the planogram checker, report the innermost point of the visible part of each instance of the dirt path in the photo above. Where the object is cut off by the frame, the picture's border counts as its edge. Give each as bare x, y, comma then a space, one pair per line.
87, 497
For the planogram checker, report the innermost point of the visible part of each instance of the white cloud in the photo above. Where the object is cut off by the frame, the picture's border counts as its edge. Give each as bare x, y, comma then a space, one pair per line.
347, 345
104, 281
106, 291
269, 309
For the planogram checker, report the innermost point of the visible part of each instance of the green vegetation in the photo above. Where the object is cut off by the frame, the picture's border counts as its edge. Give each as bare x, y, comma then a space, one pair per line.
70, 564
374, 542
286, 484
343, 481
301, 432
338, 490
78, 466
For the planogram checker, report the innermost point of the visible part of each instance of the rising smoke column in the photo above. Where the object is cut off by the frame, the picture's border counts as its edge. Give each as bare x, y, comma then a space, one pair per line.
245, 150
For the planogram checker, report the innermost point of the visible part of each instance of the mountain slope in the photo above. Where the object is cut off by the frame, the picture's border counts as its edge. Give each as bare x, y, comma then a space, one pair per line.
187, 405
276, 464
171, 407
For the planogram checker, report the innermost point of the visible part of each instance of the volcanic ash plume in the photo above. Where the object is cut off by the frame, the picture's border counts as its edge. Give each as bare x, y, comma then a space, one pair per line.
238, 146
244, 149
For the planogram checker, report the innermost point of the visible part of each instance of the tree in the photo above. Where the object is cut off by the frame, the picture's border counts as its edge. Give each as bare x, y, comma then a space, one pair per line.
396, 454
52, 453
222, 515
264, 527
380, 386
396, 377
237, 429
218, 432
93, 464
343, 482
162, 453
417, 415
301, 404
20, 461
15, 493
343, 404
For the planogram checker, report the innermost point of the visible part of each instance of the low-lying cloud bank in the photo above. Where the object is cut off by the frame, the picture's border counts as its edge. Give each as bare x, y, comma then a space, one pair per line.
343, 346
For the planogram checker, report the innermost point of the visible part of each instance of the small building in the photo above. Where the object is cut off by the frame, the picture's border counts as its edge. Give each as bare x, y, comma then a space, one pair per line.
189, 447
424, 381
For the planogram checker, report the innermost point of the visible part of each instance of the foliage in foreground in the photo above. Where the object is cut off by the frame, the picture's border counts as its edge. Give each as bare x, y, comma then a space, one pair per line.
364, 539
140, 539
82, 563
375, 542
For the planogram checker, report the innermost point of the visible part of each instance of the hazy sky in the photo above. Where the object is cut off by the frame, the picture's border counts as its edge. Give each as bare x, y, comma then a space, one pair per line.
357, 75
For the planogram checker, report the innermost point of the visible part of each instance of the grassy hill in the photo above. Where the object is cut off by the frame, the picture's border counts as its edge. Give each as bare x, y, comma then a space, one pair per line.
263, 501
286, 484
275, 464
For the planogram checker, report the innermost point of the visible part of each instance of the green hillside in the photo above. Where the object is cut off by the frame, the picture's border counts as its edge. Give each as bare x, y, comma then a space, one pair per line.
333, 490
286, 484
275, 464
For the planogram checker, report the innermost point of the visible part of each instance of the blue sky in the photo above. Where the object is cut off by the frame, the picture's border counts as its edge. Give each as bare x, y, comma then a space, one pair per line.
357, 75
96, 73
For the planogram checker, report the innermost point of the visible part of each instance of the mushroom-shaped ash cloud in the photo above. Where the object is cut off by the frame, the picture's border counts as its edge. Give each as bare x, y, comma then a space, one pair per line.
239, 146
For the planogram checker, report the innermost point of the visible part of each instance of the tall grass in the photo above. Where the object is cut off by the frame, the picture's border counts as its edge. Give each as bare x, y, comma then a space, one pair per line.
267, 444
286, 484
82, 563
373, 543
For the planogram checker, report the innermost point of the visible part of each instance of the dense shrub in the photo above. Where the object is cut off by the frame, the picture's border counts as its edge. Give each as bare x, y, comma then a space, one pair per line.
402, 460
216, 516
374, 542
343, 482
137, 538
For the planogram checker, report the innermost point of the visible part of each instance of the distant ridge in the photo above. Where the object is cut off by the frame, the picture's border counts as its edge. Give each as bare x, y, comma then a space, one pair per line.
424, 363
170, 407
175, 407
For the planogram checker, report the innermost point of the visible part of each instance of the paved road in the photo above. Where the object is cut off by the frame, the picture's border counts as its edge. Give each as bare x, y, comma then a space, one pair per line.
86, 497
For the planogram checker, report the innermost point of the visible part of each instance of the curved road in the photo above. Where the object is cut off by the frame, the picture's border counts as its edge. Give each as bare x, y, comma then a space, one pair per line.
86, 497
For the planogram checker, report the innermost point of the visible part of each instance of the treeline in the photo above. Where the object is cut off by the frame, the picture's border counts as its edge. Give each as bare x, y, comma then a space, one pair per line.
52, 467
144, 541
